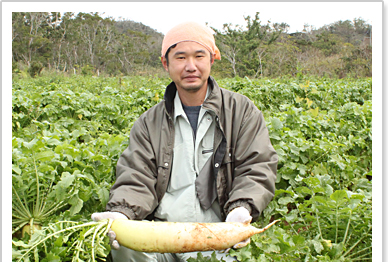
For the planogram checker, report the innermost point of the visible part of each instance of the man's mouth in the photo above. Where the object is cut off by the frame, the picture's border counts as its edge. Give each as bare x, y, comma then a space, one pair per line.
191, 78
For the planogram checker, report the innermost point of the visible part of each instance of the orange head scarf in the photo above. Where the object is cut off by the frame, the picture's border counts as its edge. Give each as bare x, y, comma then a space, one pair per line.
191, 31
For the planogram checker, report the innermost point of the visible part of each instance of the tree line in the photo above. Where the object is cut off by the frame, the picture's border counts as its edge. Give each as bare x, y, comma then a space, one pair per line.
84, 43
87, 43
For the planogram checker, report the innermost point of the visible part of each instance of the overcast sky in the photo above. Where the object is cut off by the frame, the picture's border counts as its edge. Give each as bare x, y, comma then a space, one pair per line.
162, 16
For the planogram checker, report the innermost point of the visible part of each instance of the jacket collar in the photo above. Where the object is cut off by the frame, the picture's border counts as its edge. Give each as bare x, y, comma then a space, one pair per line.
212, 102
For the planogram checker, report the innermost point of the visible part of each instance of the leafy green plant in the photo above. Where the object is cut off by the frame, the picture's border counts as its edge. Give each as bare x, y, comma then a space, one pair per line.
201, 258
35, 68
84, 241
319, 222
37, 195
87, 70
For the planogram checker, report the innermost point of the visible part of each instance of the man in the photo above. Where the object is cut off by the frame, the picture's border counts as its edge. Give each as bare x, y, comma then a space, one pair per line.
201, 155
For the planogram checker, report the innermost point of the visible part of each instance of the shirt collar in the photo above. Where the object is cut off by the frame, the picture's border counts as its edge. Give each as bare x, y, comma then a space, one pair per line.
178, 108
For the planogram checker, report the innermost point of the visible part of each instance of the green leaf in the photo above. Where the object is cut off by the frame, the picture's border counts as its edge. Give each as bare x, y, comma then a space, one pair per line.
63, 164
17, 254
61, 251
294, 149
76, 205
38, 235
328, 190
45, 155
201, 258
304, 159
282, 210
53, 141
304, 191
317, 245
276, 123
320, 199
30, 144
85, 193
302, 168
66, 180
312, 182
103, 195
336, 250
285, 200
59, 241
298, 240
16, 169
46, 169
242, 254
339, 196
339, 161
20, 243
292, 216
283, 191
51, 258
271, 248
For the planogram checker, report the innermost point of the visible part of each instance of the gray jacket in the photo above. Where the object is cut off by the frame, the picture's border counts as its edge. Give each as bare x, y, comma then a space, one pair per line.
244, 160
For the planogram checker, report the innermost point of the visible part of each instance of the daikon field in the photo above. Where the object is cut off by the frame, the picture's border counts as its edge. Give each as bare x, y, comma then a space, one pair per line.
68, 133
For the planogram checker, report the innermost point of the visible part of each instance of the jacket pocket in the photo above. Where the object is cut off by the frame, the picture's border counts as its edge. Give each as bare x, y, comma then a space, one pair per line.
207, 145
206, 151
163, 176
227, 170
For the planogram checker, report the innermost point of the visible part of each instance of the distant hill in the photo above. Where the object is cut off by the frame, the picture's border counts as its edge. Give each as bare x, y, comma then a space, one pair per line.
86, 43
124, 25
142, 36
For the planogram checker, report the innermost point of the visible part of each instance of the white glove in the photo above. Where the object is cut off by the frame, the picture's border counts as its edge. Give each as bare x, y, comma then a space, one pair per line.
239, 214
111, 234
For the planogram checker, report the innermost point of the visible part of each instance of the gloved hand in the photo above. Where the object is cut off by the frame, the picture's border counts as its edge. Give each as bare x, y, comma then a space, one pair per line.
239, 214
111, 234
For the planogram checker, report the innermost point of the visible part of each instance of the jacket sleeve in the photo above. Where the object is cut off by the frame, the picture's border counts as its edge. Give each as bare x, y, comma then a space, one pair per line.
133, 192
255, 166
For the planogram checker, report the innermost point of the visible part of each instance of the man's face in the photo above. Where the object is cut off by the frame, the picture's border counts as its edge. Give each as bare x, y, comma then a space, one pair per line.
189, 66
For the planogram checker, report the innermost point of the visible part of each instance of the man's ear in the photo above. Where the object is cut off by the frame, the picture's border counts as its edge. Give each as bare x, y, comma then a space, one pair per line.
164, 63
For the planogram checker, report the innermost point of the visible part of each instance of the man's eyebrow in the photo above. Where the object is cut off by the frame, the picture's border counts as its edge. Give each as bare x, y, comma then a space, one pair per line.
179, 53
201, 51
183, 52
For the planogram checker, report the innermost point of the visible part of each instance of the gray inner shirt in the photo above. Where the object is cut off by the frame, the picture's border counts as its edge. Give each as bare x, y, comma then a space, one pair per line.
192, 113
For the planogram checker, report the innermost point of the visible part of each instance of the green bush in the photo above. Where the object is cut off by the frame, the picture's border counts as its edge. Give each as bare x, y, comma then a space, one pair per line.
35, 69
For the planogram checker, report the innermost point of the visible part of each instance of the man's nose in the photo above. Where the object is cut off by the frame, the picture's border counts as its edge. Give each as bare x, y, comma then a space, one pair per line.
190, 65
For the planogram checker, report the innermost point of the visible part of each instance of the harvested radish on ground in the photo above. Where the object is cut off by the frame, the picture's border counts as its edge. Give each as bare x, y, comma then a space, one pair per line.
179, 237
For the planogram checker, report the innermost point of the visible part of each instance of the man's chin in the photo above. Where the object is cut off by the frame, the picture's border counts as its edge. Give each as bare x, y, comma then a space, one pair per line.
191, 88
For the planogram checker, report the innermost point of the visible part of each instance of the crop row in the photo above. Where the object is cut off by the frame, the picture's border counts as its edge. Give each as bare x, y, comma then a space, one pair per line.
69, 132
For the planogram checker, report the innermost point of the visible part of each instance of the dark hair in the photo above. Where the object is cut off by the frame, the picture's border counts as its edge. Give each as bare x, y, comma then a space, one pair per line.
168, 51
173, 46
